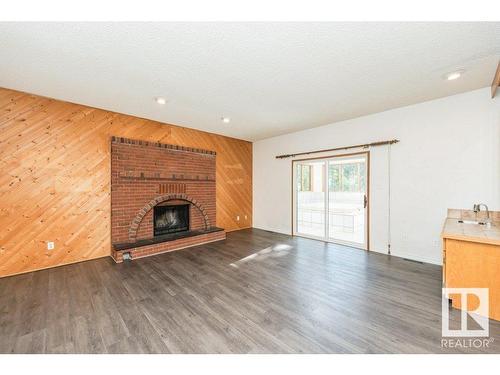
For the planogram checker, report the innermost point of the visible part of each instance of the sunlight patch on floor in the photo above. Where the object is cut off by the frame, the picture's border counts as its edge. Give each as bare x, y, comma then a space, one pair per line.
269, 252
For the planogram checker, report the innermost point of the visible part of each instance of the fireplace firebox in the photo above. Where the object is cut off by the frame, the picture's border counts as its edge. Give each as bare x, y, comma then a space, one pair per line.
170, 219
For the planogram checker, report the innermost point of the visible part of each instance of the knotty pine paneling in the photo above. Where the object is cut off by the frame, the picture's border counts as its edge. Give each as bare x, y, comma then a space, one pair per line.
55, 178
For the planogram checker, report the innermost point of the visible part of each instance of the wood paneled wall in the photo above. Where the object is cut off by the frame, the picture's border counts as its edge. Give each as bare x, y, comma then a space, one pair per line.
55, 178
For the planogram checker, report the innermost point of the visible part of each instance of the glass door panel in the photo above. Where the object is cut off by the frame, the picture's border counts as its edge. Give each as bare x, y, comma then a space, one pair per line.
310, 196
347, 200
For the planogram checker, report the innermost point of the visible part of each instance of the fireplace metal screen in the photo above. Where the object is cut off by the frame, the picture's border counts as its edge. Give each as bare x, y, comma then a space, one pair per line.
171, 219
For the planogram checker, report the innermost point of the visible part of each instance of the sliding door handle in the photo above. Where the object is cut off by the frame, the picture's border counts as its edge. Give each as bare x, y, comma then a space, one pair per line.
365, 201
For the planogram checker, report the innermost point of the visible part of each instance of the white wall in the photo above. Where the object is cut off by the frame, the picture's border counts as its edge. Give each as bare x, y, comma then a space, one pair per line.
449, 156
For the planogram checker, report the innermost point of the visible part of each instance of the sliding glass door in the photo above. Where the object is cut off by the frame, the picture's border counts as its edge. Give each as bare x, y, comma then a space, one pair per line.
330, 200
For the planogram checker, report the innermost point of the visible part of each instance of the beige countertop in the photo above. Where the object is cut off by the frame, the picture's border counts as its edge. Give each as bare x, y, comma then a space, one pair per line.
452, 229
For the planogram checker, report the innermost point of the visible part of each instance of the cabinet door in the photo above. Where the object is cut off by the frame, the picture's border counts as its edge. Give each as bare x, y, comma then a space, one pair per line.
474, 265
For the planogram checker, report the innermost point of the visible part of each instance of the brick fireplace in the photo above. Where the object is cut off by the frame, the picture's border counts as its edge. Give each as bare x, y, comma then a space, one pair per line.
162, 198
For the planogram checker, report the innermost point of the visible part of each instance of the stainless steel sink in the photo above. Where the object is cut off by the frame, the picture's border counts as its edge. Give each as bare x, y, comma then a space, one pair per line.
475, 222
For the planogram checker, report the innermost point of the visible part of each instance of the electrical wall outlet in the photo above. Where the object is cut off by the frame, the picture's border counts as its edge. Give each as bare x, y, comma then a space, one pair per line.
238, 218
246, 217
50, 245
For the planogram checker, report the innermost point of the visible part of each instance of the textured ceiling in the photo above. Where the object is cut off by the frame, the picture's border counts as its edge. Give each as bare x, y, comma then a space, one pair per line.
269, 78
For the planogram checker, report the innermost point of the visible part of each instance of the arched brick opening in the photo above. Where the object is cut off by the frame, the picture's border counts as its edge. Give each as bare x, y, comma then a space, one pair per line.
134, 226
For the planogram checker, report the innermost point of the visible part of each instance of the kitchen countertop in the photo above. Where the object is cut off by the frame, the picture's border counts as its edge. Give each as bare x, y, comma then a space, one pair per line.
452, 229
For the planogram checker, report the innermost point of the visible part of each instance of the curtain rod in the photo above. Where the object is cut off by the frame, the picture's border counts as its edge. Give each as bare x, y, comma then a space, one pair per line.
366, 145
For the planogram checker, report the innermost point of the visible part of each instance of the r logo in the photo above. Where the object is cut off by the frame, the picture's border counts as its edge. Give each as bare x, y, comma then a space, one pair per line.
479, 313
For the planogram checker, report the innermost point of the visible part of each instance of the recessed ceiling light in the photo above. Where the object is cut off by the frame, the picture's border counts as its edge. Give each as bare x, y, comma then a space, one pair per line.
453, 75
225, 120
160, 100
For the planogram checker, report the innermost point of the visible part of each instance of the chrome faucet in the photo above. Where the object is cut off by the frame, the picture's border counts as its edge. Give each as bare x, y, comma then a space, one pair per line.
477, 208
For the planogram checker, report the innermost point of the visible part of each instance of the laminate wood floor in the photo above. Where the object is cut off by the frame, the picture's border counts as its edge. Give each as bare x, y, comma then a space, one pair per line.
256, 292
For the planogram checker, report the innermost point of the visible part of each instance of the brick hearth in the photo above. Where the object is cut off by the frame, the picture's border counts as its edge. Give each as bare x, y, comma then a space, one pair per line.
146, 174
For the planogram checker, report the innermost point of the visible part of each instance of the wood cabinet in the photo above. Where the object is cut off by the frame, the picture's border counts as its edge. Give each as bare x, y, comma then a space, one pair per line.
469, 264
